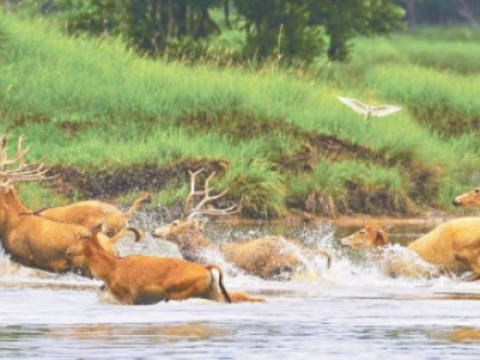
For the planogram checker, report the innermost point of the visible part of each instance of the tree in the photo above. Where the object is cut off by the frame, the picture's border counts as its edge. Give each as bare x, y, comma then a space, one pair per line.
150, 24
294, 27
286, 29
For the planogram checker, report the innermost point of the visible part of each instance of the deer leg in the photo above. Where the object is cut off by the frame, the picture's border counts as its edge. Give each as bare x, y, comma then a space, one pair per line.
472, 277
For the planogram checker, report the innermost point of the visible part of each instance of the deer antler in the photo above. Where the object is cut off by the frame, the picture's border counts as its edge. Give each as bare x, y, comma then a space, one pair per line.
191, 194
33, 171
197, 210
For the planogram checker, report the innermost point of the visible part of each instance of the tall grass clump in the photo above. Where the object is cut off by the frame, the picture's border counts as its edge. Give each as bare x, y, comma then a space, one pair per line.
349, 181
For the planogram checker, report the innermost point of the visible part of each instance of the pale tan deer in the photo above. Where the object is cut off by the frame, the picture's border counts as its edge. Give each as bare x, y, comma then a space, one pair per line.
30, 239
86, 213
267, 257
469, 199
137, 280
453, 247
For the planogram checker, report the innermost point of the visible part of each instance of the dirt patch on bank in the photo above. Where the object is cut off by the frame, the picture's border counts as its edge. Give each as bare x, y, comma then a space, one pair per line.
241, 127
103, 184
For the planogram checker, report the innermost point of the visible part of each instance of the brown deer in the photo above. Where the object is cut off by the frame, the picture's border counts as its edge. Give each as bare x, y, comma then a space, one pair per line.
86, 213
137, 280
469, 199
267, 257
91, 212
30, 239
452, 247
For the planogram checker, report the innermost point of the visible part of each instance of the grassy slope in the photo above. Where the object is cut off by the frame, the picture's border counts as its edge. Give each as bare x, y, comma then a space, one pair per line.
93, 105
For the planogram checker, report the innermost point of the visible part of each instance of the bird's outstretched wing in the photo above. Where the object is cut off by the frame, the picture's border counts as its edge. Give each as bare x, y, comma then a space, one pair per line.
384, 110
354, 104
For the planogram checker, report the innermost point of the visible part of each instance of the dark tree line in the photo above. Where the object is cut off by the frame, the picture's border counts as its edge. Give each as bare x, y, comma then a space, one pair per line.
442, 12
284, 29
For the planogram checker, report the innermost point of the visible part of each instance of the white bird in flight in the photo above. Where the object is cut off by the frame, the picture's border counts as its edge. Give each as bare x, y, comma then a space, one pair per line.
369, 110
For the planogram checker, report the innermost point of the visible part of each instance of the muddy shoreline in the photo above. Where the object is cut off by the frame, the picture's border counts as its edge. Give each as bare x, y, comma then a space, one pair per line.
109, 185
295, 219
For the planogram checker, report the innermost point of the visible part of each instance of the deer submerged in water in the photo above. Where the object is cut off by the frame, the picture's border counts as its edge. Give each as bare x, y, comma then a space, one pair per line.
273, 258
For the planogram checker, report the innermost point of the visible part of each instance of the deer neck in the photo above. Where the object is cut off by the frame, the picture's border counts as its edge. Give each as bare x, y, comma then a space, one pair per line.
12, 199
100, 262
11, 217
192, 246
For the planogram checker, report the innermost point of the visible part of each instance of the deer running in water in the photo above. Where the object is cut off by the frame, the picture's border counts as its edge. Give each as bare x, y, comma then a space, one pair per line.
267, 257
452, 247
30, 239
86, 213
136, 280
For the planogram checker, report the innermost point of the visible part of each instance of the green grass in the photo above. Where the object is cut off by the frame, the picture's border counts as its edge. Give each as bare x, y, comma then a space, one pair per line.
94, 105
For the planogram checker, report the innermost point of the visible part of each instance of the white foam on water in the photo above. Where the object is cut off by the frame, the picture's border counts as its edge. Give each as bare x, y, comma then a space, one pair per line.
350, 268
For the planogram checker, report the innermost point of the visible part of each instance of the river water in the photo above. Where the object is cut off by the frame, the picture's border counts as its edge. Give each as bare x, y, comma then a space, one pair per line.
349, 311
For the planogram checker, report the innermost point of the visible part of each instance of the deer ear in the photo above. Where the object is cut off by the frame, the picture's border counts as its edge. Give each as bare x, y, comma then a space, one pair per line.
382, 236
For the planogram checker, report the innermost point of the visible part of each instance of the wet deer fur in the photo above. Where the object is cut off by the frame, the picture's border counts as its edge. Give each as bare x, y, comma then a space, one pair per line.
86, 213
33, 240
452, 247
145, 280
267, 257
92, 212
41, 243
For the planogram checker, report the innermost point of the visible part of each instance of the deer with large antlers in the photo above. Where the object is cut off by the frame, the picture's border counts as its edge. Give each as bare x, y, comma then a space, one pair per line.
137, 280
31, 239
267, 257
86, 213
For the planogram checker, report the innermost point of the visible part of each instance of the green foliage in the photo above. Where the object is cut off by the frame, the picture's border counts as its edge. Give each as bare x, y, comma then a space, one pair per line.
150, 24
93, 17
295, 28
280, 29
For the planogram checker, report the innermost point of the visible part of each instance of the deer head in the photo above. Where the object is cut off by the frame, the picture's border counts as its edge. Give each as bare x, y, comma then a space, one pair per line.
371, 236
469, 199
185, 231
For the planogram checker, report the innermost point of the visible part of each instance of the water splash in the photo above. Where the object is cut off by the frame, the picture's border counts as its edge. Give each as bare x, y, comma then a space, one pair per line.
349, 268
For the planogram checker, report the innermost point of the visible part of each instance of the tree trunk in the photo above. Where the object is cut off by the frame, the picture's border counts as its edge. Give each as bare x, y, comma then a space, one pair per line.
226, 10
154, 27
164, 18
411, 15
154, 16
464, 11
191, 20
171, 19
181, 18
200, 27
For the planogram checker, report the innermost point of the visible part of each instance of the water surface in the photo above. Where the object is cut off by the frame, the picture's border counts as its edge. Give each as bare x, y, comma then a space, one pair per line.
349, 311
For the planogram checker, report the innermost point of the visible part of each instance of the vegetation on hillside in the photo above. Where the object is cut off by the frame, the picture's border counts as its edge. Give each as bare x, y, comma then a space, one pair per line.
286, 29
278, 137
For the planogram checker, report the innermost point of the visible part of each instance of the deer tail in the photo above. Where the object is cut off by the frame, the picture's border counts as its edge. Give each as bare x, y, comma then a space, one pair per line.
220, 281
138, 234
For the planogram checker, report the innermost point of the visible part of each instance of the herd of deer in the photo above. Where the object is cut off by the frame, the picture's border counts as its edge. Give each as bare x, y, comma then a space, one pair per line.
81, 237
